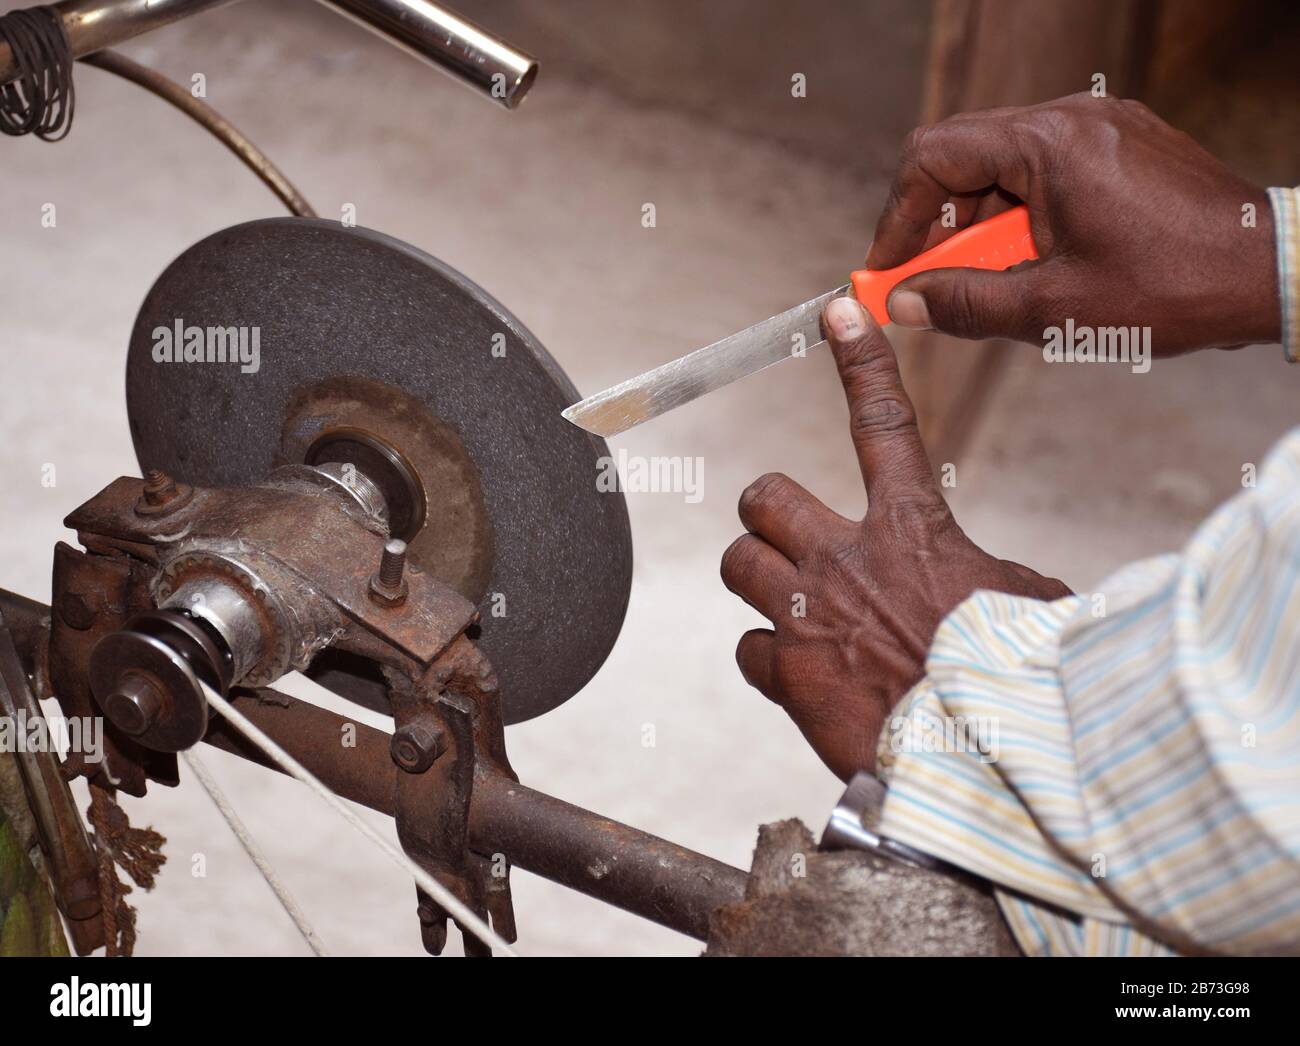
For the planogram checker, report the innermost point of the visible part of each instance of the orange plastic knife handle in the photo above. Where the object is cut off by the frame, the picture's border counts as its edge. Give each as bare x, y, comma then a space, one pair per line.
998, 243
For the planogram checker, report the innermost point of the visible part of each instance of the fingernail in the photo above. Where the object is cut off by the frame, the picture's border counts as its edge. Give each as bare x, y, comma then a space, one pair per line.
845, 318
908, 309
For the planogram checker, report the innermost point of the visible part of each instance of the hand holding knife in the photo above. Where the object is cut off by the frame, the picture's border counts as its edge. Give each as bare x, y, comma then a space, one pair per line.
998, 243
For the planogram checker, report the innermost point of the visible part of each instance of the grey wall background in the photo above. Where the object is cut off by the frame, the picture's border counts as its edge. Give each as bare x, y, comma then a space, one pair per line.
723, 61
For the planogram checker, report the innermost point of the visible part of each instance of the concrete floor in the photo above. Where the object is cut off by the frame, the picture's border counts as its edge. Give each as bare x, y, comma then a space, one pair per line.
1075, 470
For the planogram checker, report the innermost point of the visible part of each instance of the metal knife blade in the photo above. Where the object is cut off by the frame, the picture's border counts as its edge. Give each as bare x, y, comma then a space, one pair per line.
672, 384
996, 243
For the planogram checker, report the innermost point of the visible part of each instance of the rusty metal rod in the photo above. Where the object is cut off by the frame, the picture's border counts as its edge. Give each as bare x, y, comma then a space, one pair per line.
29, 623
601, 857
72, 863
595, 855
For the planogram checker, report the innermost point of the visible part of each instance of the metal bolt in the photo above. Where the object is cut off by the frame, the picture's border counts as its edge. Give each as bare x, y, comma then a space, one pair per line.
415, 746
161, 494
159, 488
388, 585
134, 705
393, 564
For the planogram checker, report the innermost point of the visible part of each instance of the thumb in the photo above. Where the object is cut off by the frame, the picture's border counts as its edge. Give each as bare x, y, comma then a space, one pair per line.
973, 303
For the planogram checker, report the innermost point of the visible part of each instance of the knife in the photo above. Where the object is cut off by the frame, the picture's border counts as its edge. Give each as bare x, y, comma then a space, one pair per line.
997, 243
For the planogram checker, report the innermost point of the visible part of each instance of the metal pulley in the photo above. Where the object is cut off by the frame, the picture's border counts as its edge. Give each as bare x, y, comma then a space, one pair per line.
146, 678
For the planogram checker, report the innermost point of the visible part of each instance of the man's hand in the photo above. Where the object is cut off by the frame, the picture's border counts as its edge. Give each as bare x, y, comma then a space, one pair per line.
1135, 224
855, 605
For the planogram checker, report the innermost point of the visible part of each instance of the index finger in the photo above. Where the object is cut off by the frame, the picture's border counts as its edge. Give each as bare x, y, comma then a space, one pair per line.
882, 420
963, 154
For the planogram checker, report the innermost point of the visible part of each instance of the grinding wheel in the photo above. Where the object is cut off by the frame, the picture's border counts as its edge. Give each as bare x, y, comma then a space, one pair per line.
363, 335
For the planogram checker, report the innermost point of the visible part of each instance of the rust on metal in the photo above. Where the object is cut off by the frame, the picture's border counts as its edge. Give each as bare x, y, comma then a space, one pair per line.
594, 855
308, 535
71, 861
308, 563
162, 495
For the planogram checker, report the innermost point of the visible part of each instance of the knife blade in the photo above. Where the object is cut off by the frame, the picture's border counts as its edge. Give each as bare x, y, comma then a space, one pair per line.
671, 384
997, 243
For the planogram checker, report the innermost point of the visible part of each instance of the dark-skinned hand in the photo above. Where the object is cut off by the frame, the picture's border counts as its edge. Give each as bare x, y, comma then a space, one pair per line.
1135, 225
872, 591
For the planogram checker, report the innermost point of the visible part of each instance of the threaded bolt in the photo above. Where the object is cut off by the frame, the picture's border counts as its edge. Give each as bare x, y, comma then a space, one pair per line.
159, 488
388, 584
161, 495
393, 564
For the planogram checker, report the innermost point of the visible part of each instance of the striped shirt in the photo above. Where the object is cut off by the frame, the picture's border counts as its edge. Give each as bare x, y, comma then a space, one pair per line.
1286, 222
1124, 766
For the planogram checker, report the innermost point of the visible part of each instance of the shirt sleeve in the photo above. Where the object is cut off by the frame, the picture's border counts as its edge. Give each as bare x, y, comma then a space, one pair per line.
1124, 765
1286, 224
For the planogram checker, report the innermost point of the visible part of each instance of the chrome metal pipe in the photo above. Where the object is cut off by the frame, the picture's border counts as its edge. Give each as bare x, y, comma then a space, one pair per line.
498, 70
93, 25
431, 33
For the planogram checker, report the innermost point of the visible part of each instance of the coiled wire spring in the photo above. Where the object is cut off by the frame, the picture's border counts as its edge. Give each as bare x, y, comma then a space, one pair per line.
40, 99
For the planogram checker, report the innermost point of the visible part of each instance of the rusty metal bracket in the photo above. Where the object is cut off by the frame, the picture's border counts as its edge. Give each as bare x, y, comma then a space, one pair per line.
304, 533
448, 720
94, 595
69, 855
